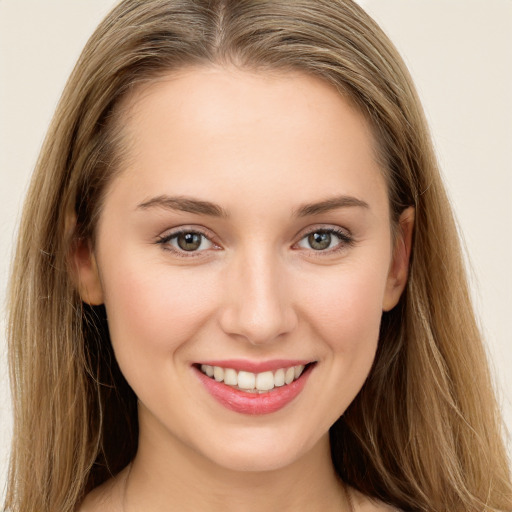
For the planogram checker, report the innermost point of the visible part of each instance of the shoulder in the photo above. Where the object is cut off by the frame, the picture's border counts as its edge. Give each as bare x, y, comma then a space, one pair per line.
363, 503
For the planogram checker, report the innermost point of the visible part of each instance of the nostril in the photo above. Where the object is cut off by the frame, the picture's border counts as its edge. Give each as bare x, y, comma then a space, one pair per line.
257, 324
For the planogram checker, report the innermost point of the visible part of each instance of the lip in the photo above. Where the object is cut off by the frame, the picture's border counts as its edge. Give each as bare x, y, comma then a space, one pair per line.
254, 403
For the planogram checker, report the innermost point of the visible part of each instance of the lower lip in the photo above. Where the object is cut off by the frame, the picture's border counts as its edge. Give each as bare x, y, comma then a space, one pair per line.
254, 403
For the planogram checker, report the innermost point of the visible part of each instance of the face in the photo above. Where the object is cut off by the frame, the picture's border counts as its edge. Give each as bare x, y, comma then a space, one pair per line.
244, 255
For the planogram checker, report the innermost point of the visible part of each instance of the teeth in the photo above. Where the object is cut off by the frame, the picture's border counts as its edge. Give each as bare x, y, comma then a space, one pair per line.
279, 378
265, 381
230, 377
253, 382
207, 369
246, 380
218, 373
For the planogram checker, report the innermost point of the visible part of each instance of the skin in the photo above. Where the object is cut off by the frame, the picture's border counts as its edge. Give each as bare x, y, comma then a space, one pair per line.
260, 146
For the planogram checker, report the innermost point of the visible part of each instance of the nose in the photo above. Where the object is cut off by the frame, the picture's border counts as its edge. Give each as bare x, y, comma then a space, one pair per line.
258, 304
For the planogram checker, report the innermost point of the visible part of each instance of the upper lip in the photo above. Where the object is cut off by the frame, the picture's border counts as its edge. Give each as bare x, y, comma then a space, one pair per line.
256, 366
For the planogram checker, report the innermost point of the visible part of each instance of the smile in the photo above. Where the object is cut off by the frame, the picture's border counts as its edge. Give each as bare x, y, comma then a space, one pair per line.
253, 382
266, 389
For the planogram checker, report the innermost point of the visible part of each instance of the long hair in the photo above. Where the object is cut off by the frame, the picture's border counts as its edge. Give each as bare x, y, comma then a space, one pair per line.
424, 433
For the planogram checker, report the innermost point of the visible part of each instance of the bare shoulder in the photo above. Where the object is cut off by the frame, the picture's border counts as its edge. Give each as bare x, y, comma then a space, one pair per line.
363, 503
105, 498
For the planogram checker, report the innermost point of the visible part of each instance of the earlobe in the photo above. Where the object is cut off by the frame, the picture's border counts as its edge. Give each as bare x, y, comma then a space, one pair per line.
85, 272
399, 268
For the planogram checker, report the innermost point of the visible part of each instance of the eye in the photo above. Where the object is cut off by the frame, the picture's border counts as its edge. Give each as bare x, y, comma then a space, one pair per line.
325, 240
186, 241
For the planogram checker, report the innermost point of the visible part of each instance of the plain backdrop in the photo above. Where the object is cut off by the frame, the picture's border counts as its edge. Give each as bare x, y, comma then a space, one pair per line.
460, 55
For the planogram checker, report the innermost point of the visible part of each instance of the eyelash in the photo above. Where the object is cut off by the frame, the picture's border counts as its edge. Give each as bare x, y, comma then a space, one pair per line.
345, 240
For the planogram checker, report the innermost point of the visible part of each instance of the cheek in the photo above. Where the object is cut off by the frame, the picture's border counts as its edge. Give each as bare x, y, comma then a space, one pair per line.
156, 309
346, 310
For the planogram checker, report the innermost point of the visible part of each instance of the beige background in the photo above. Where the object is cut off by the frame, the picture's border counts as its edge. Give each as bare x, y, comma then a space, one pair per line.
460, 54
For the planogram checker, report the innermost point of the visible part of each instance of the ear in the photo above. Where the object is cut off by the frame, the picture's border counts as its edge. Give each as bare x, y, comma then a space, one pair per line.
84, 271
399, 268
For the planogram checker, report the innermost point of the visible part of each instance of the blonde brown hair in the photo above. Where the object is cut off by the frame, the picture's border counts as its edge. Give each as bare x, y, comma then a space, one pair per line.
423, 434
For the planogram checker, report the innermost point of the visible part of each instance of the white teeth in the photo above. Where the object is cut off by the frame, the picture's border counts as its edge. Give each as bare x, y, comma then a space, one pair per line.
218, 373
279, 378
230, 377
265, 381
206, 368
246, 380
289, 376
253, 382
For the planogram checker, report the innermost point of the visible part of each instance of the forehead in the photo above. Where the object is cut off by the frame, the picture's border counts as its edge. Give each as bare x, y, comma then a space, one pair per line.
213, 129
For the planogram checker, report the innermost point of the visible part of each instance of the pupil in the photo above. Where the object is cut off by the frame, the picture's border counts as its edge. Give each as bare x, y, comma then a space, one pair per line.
319, 240
189, 241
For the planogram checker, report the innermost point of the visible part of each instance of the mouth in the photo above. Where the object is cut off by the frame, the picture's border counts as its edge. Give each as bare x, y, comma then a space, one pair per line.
237, 388
249, 382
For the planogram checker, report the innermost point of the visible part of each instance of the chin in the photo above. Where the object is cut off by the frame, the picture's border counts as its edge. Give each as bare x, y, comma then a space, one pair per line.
255, 462
256, 454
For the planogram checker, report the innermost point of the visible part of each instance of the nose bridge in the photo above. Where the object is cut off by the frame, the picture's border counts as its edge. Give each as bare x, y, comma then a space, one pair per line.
258, 305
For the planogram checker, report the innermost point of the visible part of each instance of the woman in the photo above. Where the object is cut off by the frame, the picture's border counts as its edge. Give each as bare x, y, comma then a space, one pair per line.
238, 282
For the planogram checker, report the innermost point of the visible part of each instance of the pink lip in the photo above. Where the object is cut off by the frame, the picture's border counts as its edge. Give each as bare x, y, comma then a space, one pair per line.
253, 403
255, 366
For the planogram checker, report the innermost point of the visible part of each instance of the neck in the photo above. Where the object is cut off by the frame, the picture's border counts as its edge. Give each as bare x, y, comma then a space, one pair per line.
172, 476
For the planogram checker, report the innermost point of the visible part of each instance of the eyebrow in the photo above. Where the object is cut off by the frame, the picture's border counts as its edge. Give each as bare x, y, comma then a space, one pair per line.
184, 204
200, 207
330, 204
